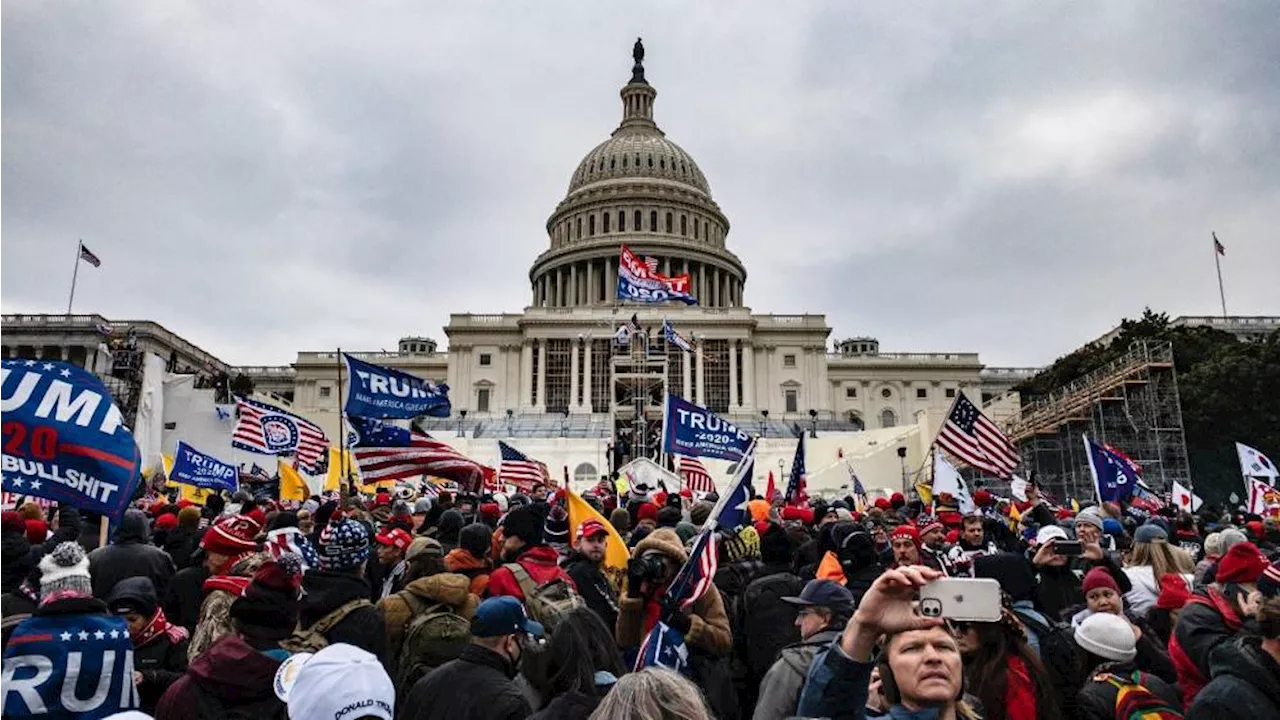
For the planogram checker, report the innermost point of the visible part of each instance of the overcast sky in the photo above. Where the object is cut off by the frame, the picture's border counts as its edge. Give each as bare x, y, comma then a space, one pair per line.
1007, 178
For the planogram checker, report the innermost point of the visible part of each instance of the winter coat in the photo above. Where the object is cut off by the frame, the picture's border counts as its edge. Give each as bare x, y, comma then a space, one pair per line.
182, 601
180, 543
16, 561
476, 686
593, 586
163, 658
1205, 622
1146, 588
766, 622
1059, 587
540, 561
1153, 655
780, 689
215, 610
1097, 699
568, 706
448, 588
709, 624
131, 555
463, 562
1245, 684
231, 674
327, 591
14, 608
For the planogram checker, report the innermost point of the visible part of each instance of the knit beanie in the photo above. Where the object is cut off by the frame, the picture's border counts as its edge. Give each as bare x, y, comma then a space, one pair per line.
555, 530
268, 609
1174, 592
744, 544
1243, 563
906, 531
12, 522
65, 571
133, 595
699, 512
1107, 636
526, 523
775, 545
1099, 578
231, 535
189, 517
476, 539
37, 531
687, 531
343, 545
620, 519
1011, 570
1090, 516
167, 521
1269, 581
669, 517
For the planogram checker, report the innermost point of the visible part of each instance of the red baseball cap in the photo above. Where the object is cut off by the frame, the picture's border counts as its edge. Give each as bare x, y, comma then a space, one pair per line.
592, 527
395, 537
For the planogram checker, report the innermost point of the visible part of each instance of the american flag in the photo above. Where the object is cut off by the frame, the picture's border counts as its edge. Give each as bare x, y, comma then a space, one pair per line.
651, 263
389, 452
517, 469
87, 255
696, 576
796, 483
695, 475
970, 436
269, 430
664, 647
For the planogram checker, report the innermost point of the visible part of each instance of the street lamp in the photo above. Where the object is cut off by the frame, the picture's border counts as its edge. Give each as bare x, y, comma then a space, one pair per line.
764, 414
813, 423
462, 416
510, 414
902, 457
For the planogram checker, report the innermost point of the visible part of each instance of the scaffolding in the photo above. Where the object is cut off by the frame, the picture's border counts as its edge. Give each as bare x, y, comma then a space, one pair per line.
639, 380
1130, 404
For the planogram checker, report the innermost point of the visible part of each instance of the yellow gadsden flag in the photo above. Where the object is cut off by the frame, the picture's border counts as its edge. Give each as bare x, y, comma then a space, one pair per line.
616, 554
292, 486
333, 480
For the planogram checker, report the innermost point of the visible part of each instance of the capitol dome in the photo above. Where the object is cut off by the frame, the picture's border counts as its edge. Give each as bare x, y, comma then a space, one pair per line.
640, 189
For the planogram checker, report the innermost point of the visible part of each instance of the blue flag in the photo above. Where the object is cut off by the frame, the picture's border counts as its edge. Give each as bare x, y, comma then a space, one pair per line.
731, 510
675, 338
192, 467
1113, 476
664, 647
69, 666
381, 392
65, 439
695, 431
639, 281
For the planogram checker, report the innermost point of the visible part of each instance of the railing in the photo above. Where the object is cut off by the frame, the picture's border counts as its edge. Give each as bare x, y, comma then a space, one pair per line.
957, 358
96, 322
1009, 373
263, 370
332, 357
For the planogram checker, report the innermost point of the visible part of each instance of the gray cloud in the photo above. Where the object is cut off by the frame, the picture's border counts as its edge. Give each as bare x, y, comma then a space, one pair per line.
994, 177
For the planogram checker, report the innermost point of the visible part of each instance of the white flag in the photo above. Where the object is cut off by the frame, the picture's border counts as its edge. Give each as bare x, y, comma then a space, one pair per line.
1258, 495
1255, 464
1185, 499
946, 479
1018, 488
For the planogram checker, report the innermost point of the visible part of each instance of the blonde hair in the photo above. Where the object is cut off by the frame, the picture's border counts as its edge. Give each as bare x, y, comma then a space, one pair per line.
1162, 557
652, 694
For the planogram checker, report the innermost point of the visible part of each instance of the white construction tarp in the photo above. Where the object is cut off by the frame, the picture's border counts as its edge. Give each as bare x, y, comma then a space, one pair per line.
148, 425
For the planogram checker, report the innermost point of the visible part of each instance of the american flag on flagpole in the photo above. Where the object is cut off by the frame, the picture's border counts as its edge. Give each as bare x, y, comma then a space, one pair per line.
697, 575
695, 475
87, 255
519, 470
385, 451
971, 437
269, 430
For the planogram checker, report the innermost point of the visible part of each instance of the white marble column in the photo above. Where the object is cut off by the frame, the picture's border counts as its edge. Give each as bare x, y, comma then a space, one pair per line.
686, 375
592, 298
574, 351
586, 377
748, 376
733, 375
542, 376
702, 379
526, 375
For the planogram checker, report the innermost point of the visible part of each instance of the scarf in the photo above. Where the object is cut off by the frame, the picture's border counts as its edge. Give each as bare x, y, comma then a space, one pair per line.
234, 584
157, 626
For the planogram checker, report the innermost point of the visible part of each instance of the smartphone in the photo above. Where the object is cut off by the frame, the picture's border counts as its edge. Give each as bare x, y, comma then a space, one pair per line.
1067, 548
968, 599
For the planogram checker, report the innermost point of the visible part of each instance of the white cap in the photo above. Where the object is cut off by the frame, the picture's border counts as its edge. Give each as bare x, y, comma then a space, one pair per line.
339, 677
1050, 532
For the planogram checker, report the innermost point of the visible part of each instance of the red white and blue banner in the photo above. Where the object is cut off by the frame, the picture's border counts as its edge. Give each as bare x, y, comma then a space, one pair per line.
192, 467
640, 283
382, 392
69, 666
64, 437
695, 431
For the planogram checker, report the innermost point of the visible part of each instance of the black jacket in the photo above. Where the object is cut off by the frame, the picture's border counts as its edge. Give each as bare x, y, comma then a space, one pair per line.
1059, 588
131, 556
163, 659
593, 587
766, 622
16, 560
328, 591
476, 686
1097, 699
1245, 684
14, 608
181, 602
180, 543
569, 706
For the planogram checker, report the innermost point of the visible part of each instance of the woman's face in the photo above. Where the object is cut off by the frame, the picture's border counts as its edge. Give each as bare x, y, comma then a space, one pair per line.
1104, 600
967, 638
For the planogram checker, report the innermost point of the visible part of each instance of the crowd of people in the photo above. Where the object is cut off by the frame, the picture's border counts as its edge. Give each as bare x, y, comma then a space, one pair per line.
404, 605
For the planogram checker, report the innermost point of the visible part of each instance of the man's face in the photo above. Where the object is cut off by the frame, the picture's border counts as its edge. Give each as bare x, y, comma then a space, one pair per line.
213, 561
389, 554
594, 547
926, 667
973, 533
812, 620
881, 537
1087, 533
934, 538
905, 552
1104, 600
305, 522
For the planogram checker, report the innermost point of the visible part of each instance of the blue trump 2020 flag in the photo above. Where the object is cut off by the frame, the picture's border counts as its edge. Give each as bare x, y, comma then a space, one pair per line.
664, 647
192, 467
695, 431
69, 666
381, 392
1113, 476
64, 437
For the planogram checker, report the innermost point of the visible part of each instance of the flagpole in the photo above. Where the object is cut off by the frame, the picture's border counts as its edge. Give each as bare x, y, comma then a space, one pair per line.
76, 272
342, 427
1217, 263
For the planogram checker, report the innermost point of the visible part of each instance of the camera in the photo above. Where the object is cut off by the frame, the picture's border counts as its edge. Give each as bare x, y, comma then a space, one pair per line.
650, 567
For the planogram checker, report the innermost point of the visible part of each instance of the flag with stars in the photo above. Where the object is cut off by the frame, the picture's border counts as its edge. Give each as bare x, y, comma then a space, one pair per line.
520, 470
65, 439
697, 574
37, 664
858, 491
385, 451
795, 484
971, 437
664, 647
731, 511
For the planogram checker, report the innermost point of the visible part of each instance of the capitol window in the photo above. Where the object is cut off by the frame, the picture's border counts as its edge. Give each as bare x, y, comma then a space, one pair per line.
684, 225
888, 419
789, 361
792, 398
486, 359
851, 393
951, 392
668, 222
653, 221
622, 221
482, 400
695, 228
922, 393
579, 228
638, 224
325, 391
886, 393
605, 217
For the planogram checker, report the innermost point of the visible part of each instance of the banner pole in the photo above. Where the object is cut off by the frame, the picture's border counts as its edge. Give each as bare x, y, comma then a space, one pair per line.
342, 427
76, 272
1222, 295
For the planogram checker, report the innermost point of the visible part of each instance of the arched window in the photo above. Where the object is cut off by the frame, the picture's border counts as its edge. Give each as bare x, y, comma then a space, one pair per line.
622, 221
684, 225
887, 418
613, 163
606, 218
585, 473
653, 221
624, 162
695, 228
591, 224
579, 229
662, 163
706, 231
637, 224
650, 161
668, 222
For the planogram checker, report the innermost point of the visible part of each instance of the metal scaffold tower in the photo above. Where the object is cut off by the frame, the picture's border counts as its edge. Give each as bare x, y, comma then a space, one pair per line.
639, 388
1130, 404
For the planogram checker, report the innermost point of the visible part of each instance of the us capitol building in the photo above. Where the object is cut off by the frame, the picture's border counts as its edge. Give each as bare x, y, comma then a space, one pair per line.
552, 378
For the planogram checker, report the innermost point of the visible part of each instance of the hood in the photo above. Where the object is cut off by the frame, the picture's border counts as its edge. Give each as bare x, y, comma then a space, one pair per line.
450, 588
541, 554
462, 559
133, 527
231, 669
1244, 658
327, 591
734, 577
13, 547
451, 522
138, 589
665, 541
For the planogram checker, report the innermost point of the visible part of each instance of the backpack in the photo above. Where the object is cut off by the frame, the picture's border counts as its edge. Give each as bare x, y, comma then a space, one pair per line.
548, 602
1057, 654
433, 636
312, 639
209, 707
1134, 701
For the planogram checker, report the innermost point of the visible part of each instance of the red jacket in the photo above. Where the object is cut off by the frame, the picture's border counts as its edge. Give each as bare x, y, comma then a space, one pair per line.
1205, 622
1020, 691
541, 562
232, 673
